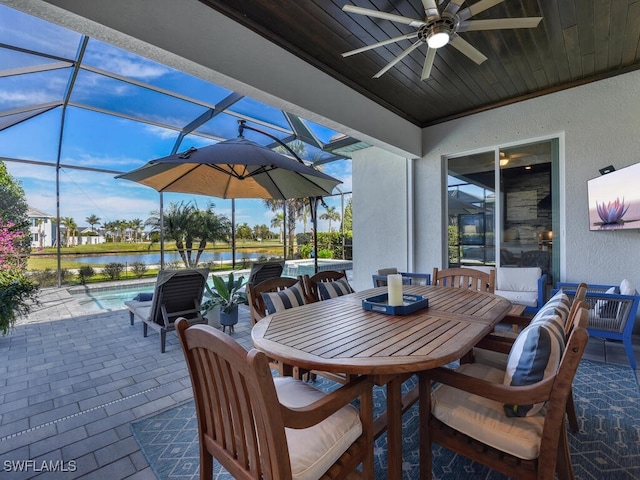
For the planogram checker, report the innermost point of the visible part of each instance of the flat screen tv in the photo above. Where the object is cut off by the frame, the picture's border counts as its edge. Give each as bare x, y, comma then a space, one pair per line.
614, 200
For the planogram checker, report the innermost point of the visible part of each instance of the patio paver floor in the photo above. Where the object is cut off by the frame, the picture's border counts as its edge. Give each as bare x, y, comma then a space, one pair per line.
71, 384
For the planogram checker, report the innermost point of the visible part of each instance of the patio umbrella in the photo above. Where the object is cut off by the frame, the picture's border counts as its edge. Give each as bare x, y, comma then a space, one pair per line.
237, 168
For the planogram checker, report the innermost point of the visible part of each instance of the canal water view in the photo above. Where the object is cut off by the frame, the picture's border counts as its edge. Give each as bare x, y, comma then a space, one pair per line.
154, 258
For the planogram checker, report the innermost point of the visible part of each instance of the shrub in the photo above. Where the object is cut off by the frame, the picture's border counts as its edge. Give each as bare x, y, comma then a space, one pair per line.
325, 253
139, 269
113, 270
45, 278
17, 295
85, 273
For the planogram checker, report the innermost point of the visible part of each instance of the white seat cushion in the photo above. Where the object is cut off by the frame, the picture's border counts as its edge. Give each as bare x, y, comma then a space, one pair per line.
484, 419
142, 309
528, 299
313, 450
518, 279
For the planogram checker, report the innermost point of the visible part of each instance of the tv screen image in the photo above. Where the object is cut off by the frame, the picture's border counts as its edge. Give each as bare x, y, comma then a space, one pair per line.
614, 200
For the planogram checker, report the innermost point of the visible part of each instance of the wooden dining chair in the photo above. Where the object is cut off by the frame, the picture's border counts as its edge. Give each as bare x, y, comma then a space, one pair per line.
257, 305
313, 293
466, 278
488, 352
261, 427
518, 430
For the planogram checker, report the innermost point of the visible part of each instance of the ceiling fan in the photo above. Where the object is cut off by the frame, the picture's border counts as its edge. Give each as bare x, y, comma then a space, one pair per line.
440, 28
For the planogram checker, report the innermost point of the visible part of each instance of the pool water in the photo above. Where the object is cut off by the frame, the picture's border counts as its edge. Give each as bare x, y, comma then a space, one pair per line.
101, 300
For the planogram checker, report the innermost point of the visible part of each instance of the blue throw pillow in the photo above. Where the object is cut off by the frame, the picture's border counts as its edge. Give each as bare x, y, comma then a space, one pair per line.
143, 297
337, 288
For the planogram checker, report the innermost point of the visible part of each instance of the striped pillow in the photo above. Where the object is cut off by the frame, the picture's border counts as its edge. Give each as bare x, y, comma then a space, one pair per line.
337, 288
554, 315
535, 355
287, 298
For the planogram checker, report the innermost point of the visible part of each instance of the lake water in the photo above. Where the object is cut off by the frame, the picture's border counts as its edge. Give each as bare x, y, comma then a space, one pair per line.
154, 258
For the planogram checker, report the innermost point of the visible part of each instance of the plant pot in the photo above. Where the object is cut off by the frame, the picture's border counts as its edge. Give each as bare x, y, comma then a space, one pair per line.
229, 319
213, 317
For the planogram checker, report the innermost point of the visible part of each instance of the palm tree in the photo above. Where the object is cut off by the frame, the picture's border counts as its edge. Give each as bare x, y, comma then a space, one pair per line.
331, 215
295, 206
69, 226
92, 220
137, 226
191, 227
277, 222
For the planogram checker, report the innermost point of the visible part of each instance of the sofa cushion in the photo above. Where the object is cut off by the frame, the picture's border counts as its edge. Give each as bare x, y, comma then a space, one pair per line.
528, 299
605, 308
484, 419
627, 288
336, 288
284, 299
518, 279
313, 450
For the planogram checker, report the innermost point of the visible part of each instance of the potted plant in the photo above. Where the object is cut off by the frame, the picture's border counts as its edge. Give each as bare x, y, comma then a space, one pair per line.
227, 296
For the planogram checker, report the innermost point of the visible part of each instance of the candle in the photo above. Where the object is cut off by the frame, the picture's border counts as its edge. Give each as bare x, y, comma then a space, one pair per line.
394, 285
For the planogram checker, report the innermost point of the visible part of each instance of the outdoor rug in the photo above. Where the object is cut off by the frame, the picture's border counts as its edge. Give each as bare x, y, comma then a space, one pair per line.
607, 446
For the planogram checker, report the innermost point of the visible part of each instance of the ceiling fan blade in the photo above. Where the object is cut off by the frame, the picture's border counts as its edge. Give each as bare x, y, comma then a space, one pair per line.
499, 23
428, 63
477, 7
453, 6
431, 9
469, 50
414, 22
398, 58
380, 44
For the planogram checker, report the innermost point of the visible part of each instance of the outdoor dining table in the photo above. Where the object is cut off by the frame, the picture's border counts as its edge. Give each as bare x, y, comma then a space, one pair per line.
340, 336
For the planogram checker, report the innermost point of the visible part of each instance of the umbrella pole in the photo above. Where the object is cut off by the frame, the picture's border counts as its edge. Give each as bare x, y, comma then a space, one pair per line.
161, 232
313, 207
284, 227
233, 234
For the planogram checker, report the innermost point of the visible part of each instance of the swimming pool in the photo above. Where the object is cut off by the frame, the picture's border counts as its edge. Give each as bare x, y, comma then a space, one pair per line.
99, 298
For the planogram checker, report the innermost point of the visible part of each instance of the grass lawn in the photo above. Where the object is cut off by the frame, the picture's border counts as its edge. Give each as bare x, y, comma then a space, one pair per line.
47, 257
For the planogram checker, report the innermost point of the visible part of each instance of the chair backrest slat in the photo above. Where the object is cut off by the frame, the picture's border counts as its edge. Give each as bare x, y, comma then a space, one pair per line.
235, 399
465, 278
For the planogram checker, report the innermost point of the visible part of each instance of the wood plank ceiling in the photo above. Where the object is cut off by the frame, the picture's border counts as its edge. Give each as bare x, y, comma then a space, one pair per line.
578, 41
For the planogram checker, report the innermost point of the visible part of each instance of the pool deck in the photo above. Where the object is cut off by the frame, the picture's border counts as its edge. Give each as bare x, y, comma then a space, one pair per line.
71, 383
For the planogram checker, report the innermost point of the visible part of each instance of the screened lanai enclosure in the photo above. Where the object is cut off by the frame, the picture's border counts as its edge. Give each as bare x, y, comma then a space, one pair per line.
75, 112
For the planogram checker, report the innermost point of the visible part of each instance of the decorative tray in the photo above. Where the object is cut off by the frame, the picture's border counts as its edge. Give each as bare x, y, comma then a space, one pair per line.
411, 303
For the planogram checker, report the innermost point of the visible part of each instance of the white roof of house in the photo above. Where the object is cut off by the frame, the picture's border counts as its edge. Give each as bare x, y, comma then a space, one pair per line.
34, 212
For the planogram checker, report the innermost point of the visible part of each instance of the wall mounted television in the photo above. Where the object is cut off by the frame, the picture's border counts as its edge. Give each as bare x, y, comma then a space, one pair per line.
614, 200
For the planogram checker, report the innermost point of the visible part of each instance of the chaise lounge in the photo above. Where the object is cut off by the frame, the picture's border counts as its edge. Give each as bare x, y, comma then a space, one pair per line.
177, 293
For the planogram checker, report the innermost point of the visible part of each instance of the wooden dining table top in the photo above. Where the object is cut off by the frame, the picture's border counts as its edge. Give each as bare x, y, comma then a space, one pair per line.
339, 335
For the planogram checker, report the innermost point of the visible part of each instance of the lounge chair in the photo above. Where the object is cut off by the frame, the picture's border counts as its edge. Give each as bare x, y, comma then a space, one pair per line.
178, 293
261, 271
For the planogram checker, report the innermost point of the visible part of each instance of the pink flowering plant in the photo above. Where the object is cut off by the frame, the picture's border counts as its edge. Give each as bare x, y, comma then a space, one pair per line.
17, 291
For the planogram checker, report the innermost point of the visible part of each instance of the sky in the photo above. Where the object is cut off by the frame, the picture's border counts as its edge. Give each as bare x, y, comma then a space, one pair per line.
98, 140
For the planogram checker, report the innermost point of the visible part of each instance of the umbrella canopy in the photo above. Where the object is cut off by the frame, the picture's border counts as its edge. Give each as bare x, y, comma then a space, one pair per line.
236, 168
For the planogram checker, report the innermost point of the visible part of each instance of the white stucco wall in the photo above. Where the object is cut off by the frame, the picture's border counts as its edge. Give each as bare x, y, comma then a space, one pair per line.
600, 125
382, 199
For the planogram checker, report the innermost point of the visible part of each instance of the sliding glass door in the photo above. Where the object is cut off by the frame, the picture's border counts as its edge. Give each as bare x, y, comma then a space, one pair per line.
502, 207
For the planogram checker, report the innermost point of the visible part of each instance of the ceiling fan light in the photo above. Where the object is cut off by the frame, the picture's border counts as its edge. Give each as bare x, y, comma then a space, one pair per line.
504, 162
438, 39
